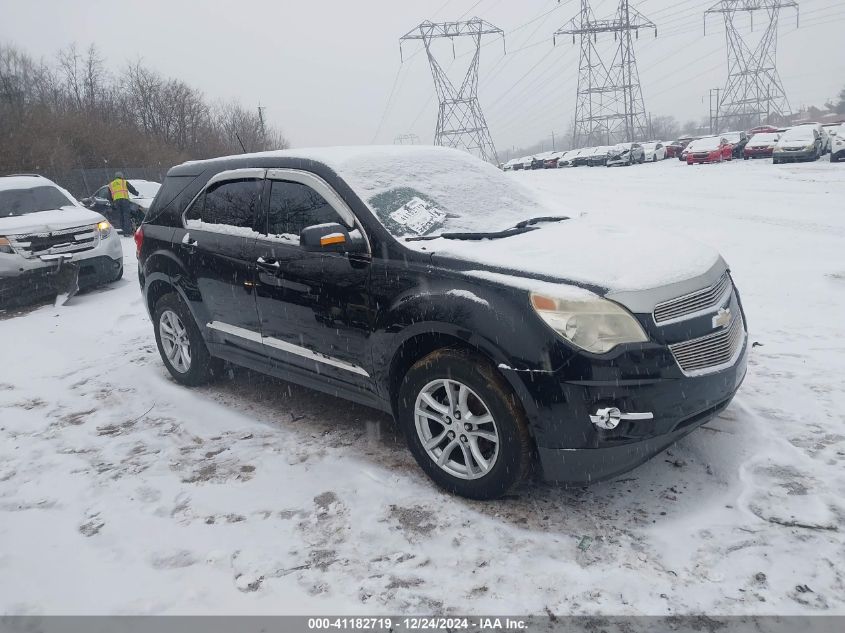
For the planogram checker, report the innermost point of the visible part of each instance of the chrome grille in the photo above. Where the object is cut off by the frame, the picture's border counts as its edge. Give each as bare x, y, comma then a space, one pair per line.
695, 302
712, 352
74, 240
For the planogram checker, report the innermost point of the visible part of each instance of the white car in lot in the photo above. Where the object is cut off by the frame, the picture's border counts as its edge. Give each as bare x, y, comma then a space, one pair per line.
567, 160
837, 144
50, 244
654, 151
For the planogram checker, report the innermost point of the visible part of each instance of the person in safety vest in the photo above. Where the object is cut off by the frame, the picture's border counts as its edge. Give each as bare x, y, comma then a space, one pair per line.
119, 190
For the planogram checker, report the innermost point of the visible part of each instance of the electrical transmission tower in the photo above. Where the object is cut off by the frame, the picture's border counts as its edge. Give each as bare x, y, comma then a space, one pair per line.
609, 106
460, 122
406, 139
754, 91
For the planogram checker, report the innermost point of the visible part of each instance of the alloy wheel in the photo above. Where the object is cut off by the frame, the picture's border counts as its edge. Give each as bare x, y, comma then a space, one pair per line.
175, 341
456, 429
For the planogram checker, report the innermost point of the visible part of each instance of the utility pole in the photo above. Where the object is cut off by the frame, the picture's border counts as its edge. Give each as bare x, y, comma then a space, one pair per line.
261, 128
460, 122
609, 102
753, 88
714, 119
553, 140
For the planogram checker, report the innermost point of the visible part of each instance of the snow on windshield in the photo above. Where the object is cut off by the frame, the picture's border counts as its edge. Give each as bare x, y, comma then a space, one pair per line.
798, 134
432, 190
705, 144
763, 139
145, 188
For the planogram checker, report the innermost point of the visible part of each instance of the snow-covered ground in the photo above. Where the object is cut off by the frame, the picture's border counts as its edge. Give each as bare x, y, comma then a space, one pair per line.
122, 492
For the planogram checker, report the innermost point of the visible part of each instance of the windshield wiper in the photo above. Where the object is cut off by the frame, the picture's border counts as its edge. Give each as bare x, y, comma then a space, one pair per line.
518, 229
492, 235
542, 218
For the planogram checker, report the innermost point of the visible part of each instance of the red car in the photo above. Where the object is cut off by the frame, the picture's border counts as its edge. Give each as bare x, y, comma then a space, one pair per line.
761, 145
710, 149
763, 129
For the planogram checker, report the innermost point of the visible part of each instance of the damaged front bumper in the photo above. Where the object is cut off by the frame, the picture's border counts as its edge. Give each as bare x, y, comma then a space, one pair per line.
25, 280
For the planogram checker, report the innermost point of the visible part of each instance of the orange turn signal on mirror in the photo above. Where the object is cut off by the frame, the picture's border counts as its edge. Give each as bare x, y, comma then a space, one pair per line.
334, 238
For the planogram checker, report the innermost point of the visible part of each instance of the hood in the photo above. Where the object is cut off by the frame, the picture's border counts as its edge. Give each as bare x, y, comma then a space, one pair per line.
581, 252
144, 203
796, 144
46, 221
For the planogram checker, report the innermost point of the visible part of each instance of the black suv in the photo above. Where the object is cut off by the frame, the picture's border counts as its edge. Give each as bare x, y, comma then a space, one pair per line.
426, 283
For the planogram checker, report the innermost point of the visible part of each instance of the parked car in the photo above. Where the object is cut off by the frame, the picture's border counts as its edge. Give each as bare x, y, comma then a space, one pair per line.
50, 244
710, 149
761, 145
508, 166
568, 159
100, 202
519, 164
674, 149
583, 157
763, 129
738, 141
686, 140
476, 315
625, 154
824, 137
654, 151
800, 143
837, 139
598, 156
550, 162
527, 163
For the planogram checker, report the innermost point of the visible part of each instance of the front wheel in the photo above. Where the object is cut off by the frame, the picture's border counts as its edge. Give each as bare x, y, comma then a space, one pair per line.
180, 343
464, 425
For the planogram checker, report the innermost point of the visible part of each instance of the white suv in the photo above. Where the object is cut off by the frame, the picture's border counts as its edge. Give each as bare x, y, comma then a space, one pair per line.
50, 244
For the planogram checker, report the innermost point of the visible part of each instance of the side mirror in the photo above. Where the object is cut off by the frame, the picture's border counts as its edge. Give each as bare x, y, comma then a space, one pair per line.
325, 238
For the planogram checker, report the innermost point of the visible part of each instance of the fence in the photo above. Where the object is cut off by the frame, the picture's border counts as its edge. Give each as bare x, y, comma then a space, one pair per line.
83, 182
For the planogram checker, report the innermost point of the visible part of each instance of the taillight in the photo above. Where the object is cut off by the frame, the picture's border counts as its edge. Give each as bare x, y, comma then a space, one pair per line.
139, 241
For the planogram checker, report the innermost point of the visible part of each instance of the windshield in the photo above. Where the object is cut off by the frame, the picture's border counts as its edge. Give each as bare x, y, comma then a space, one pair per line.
145, 188
431, 191
15, 202
763, 139
705, 144
798, 134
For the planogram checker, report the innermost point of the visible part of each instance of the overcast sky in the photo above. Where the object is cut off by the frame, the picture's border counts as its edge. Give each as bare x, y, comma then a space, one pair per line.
324, 69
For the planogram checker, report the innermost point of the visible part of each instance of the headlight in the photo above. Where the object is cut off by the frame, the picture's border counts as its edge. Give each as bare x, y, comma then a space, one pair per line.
596, 325
5, 246
811, 146
104, 228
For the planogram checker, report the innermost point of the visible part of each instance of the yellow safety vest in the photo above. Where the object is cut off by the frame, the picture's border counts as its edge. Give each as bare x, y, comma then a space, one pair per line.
118, 189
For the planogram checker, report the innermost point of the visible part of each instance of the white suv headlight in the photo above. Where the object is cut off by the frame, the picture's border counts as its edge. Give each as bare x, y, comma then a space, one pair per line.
596, 325
104, 228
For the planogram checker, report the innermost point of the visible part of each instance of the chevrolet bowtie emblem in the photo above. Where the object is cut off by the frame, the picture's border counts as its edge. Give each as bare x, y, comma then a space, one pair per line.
722, 318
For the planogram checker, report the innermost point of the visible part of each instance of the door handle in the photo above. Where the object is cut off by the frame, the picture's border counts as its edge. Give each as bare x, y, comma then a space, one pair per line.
270, 265
187, 240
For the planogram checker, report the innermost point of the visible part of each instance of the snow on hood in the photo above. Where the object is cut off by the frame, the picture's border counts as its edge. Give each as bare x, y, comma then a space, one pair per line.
581, 251
46, 221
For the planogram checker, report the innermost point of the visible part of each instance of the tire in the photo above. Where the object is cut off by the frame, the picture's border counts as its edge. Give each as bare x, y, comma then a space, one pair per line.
654, 158
118, 275
199, 367
487, 395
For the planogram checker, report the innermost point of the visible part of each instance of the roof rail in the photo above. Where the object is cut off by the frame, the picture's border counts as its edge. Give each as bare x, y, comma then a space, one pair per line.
13, 175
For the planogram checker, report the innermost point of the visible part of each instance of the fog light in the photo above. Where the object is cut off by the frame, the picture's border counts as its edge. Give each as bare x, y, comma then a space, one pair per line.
608, 418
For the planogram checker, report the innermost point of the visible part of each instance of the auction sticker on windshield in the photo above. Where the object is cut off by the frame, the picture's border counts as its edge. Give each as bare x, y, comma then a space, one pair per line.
418, 216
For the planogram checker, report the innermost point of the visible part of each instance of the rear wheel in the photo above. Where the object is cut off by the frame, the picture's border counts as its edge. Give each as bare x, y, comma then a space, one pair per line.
180, 343
464, 425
